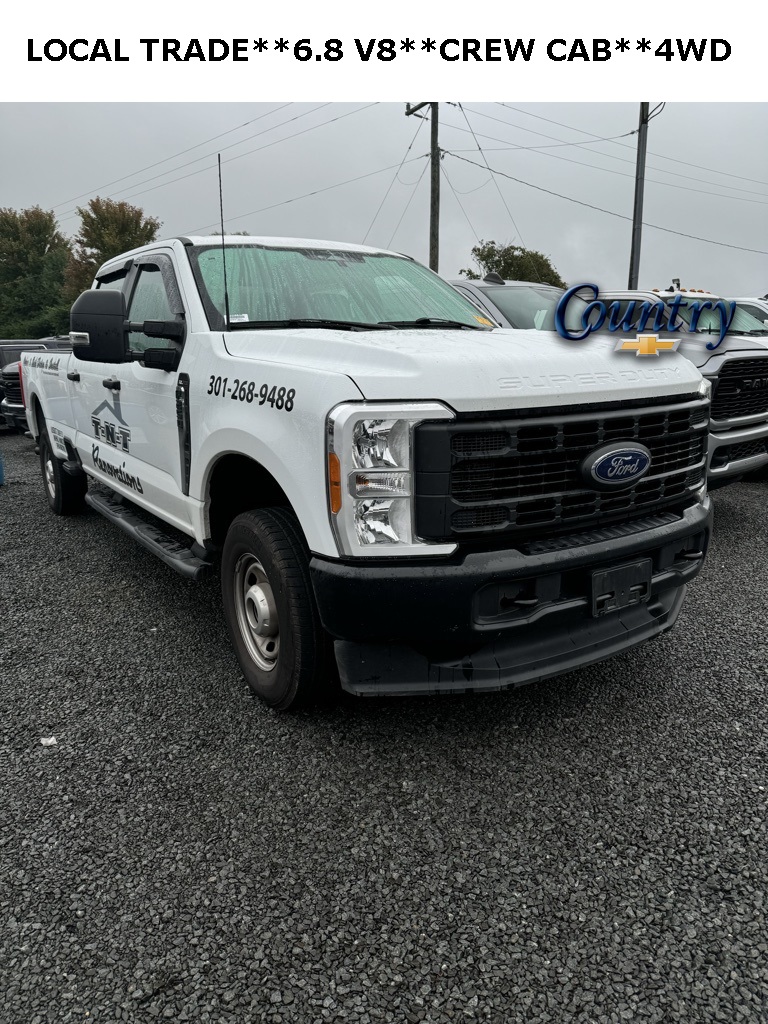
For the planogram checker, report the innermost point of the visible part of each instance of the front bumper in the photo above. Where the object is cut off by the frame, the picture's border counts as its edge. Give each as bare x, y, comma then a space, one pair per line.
15, 415
493, 620
736, 451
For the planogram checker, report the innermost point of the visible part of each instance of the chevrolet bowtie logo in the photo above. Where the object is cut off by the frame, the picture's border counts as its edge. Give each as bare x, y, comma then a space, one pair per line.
647, 345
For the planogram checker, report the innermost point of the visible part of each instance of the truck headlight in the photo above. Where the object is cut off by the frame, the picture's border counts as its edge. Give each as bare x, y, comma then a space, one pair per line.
370, 481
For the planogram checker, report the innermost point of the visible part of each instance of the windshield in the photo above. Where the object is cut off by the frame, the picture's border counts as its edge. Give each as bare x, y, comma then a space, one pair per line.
271, 284
532, 308
756, 311
710, 320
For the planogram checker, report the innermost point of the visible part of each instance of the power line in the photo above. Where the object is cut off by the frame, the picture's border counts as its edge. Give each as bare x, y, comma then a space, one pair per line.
461, 205
165, 160
206, 156
540, 151
250, 152
402, 215
661, 156
306, 195
559, 142
485, 160
611, 213
394, 179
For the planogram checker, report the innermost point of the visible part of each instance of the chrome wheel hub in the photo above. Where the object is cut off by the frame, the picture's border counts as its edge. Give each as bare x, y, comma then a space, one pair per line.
256, 612
50, 480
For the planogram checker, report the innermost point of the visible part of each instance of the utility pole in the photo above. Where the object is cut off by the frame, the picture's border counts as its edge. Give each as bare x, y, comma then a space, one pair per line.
434, 193
637, 213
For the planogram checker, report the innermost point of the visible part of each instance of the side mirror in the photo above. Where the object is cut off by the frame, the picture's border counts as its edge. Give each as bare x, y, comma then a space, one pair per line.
161, 329
160, 358
97, 326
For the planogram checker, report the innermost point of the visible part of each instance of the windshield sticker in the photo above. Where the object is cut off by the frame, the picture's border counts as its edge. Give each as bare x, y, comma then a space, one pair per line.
484, 321
238, 318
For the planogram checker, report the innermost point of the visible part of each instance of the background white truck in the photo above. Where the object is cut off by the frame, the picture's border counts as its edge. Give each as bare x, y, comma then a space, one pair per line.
394, 491
737, 368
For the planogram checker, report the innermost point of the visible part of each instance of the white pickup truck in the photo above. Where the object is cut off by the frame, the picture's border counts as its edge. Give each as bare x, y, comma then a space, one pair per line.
736, 366
397, 497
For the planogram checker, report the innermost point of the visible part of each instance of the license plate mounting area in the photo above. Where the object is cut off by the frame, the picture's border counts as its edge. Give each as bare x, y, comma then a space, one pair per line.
621, 587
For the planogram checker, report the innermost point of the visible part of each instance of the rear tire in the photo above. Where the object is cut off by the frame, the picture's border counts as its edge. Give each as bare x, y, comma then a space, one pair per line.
65, 493
269, 605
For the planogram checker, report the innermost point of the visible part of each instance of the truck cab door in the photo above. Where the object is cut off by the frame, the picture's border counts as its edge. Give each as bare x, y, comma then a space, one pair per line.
132, 437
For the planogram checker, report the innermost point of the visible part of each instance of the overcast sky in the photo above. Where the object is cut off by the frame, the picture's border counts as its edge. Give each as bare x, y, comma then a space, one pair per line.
707, 175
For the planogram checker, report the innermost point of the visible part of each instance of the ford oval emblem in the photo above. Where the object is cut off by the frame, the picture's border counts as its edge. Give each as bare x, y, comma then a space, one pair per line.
616, 465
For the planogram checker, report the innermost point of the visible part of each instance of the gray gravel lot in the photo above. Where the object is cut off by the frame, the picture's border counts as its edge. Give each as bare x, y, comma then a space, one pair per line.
592, 848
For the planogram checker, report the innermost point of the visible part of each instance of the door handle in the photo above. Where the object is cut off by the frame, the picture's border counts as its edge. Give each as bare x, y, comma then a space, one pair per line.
112, 384
73, 375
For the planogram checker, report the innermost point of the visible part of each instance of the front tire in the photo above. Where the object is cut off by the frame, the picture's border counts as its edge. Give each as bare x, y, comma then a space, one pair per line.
269, 605
65, 493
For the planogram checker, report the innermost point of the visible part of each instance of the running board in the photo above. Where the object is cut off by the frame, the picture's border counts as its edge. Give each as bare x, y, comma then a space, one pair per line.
188, 560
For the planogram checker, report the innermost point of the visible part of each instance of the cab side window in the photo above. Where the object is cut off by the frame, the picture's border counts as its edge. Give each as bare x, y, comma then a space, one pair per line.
150, 301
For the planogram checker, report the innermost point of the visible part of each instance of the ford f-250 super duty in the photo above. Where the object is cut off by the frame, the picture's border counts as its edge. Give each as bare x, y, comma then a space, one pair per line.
393, 490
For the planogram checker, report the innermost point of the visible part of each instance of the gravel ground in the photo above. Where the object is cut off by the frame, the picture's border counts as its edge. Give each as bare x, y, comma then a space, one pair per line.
592, 848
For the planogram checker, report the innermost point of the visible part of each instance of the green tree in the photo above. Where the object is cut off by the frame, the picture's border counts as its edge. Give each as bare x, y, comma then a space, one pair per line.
513, 263
107, 228
33, 259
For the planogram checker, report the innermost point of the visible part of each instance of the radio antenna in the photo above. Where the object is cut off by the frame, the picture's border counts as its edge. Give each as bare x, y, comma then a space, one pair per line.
223, 249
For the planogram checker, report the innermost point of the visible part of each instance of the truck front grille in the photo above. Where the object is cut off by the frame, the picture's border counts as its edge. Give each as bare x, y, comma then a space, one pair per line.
741, 389
12, 387
522, 474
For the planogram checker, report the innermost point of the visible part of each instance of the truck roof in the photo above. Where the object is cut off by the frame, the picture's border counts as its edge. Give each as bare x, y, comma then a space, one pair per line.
276, 242
267, 241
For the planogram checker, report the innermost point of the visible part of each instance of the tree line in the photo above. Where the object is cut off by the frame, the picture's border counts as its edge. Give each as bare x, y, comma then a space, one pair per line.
42, 271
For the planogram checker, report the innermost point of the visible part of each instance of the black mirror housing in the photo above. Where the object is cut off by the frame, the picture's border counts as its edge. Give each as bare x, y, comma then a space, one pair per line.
98, 330
161, 359
164, 329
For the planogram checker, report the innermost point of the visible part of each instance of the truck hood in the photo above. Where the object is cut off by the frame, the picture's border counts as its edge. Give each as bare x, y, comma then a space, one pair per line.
474, 371
694, 347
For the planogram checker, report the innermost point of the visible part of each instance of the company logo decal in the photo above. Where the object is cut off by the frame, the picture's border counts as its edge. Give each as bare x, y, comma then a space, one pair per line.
48, 364
117, 472
116, 435
616, 465
639, 316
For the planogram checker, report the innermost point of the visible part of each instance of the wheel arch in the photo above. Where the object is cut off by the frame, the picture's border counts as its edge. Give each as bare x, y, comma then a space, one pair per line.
35, 415
238, 483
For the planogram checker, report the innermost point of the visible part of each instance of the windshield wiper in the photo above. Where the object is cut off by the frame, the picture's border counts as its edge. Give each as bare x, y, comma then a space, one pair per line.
340, 325
431, 321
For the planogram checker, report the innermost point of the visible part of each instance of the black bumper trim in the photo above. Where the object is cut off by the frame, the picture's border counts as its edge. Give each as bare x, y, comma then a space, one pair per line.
437, 602
396, 670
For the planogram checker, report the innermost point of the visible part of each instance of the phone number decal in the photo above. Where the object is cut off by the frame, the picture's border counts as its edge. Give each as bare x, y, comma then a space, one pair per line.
249, 391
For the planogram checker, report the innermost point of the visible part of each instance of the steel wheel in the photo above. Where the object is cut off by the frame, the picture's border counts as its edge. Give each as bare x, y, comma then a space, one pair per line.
65, 493
269, 605
49, 478
256, 612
